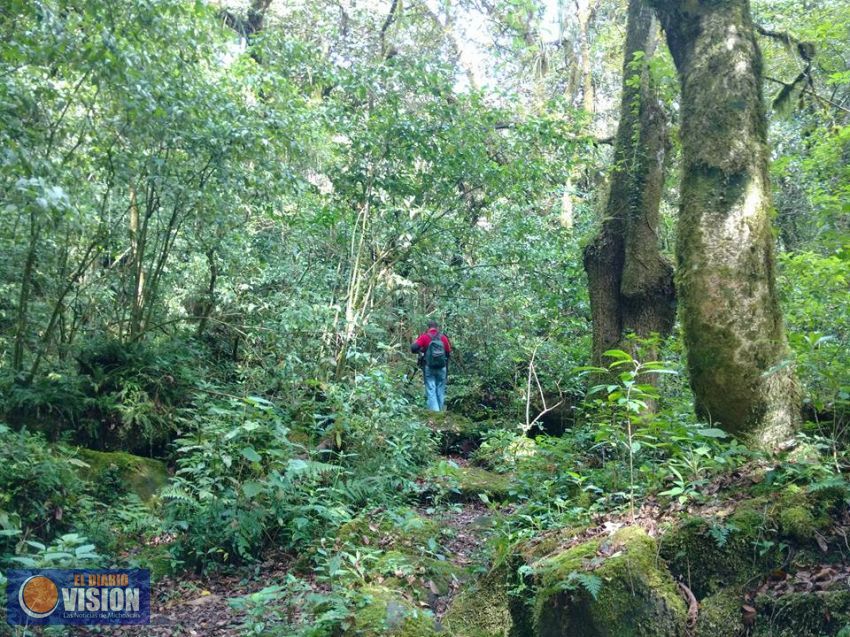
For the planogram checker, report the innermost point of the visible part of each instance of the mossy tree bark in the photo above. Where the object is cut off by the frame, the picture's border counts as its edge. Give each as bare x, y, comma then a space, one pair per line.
630, 282
725, 272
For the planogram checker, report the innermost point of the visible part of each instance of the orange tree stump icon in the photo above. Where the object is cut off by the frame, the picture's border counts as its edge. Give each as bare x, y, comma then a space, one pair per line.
38, 596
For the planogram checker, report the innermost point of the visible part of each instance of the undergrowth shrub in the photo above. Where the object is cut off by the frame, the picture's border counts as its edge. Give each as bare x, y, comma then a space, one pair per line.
40, 490
817, 314
241, 484
135, 392
127, 396
378, 434
502, 450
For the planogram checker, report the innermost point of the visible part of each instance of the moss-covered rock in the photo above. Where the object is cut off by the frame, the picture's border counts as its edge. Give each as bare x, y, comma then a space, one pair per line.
466, 483
800, 514
548, 543
637, 596
406, 530
382, 611
797, 522
473, 481
821, 614
720, 615
482, 610
458, 434
124, 471
709, 555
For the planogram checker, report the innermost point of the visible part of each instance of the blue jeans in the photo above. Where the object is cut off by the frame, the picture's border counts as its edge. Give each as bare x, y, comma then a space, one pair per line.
435, 388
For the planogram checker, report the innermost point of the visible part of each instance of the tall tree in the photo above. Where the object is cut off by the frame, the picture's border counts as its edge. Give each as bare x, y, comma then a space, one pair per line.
737, 350
630, 282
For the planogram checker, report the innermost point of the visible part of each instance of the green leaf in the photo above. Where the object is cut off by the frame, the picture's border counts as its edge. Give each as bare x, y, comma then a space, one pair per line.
673, 492
252, 489
250, 454
712, 432
618, 354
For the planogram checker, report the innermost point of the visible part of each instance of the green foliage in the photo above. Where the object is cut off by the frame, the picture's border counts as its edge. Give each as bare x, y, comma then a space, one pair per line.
502, 450
628, 399
67, 551
815, 295
240, 485
39, 489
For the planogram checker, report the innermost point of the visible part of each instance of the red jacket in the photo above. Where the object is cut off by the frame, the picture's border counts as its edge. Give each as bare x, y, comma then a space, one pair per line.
421, 343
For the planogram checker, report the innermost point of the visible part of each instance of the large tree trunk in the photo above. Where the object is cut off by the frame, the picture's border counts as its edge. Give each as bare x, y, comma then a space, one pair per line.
737, 351
630, 283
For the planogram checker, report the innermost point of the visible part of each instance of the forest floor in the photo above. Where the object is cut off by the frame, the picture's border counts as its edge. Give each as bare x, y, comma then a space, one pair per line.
200, 604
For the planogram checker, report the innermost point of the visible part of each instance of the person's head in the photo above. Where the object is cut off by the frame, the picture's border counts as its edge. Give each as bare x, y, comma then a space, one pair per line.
432, 325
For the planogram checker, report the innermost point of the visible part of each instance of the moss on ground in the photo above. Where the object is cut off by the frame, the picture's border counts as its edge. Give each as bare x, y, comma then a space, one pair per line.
720, 615
481, 610
819, 614
406, 531
142, 476
458, 434
385, 612
473, 481
637, 597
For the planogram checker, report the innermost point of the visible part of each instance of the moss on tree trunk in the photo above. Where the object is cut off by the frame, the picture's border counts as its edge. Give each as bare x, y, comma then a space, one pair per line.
630, 283
734, 334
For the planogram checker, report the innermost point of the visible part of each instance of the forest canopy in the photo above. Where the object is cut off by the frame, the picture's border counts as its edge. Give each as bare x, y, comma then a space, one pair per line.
223, 223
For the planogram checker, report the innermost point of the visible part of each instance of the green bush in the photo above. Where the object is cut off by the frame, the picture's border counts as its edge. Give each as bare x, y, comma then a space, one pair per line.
40, 490
241, 484
817, 312
135, 393
126, 396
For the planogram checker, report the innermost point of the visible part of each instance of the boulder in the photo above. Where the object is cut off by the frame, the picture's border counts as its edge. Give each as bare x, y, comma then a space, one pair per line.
467, 483
482, 609
384, 612
610, 587
123, 472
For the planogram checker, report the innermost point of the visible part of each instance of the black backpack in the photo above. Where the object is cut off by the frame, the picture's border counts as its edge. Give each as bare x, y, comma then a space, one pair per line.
435, 354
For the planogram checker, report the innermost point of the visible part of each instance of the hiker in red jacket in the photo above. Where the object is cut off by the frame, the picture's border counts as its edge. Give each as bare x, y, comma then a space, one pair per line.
434, 350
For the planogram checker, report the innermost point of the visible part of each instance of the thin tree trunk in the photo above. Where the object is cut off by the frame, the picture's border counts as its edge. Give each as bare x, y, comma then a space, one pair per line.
137, 265
737, 351
207, 305
585, 9
630, 283
22, 315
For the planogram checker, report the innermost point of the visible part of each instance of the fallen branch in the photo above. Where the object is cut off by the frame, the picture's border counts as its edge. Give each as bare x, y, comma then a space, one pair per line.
693, 605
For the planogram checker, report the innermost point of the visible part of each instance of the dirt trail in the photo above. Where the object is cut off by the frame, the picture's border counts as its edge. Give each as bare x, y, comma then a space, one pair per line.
470, 523
193, 605
198, 605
